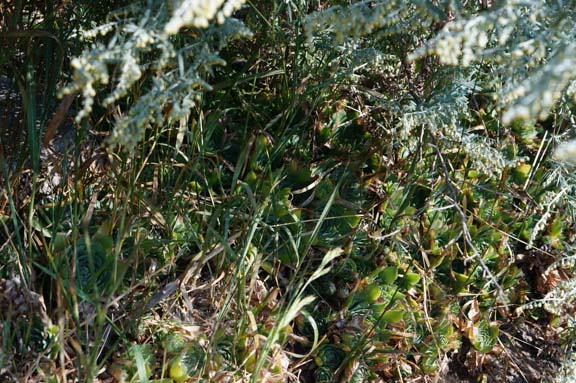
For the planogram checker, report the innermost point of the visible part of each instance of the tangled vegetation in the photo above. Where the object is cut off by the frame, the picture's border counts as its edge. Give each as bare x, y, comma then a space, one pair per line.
287, 191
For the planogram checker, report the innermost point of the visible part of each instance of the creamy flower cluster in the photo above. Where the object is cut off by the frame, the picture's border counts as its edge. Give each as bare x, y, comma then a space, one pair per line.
531, 43
483, 37
537, 94
101, 30
567, 371
483, 155
559, 301
176, 73
130, 72
566, 152
356, 20
461, 43
129, 129
571, 90
199, 14
371, 59
89, 70
550, 200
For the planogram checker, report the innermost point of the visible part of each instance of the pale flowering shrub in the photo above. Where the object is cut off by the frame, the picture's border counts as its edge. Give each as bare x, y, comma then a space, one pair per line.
556, 212
566, 152
567, 372
356, 20
415, 97
199, 14
138, 46
442, 116
529, 45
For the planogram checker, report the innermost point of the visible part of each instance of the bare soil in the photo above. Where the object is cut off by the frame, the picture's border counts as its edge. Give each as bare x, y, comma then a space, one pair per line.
527, 352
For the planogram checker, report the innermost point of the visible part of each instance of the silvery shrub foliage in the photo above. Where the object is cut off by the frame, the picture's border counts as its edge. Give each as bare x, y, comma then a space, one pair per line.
520, 53
141, 47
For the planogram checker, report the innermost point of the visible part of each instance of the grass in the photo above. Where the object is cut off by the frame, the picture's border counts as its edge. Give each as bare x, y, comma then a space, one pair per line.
285, 231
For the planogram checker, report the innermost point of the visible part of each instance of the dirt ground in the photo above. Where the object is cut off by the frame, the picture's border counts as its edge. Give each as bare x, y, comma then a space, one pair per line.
527, 352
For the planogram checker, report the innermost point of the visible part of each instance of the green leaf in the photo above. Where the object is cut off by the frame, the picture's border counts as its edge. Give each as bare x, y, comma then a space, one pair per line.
38, 226
60, 242
295, 309
520, 173
393, 316
324, 268
178, 370
142, 374
329, 356
371, 293
484, 336
411, 279
174, 343
323, 375
429, 364
324, 189
389, 274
